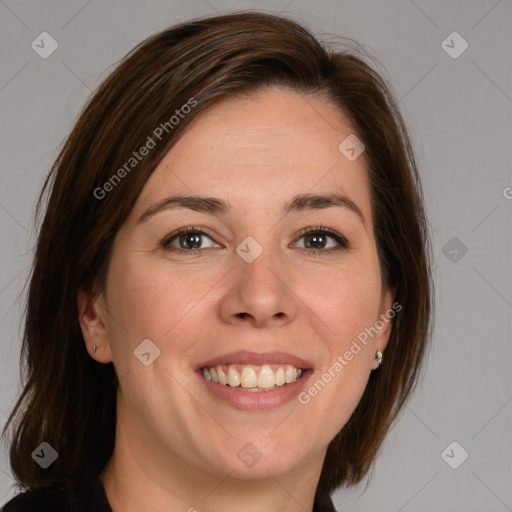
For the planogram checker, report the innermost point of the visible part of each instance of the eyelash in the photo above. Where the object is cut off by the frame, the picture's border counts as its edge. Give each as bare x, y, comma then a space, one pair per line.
340, 239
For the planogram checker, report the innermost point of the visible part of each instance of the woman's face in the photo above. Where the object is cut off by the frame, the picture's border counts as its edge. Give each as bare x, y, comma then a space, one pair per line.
245, 290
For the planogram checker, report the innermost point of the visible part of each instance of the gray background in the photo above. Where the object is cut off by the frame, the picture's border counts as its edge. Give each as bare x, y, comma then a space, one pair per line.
459, 113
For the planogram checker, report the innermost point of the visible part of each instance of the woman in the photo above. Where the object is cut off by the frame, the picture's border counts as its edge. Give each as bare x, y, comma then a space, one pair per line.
234, 237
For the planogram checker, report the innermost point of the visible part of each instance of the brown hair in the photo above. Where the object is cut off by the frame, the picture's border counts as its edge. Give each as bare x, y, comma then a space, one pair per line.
69, 400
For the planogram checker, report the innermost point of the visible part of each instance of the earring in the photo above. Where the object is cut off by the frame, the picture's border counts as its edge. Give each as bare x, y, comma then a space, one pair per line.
94, 348
379, 356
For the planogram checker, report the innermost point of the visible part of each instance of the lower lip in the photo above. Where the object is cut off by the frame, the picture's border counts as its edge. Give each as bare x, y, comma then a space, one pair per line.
257, 400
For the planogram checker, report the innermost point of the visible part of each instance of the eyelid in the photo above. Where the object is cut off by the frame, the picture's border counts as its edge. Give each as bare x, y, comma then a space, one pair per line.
187, 229
342, 241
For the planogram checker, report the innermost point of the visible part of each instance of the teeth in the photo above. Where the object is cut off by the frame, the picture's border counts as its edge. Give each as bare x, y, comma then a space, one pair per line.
279, 377
247, 378
222, 376
266, 378
233, 377
290, 374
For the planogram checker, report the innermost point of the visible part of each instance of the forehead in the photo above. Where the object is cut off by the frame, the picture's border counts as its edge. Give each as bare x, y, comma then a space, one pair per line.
261, 148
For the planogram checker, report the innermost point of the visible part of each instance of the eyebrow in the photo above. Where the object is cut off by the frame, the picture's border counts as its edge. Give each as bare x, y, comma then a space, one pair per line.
215, 206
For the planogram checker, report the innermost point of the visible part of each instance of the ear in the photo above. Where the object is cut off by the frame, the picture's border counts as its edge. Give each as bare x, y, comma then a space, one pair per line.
92, 316
387, 312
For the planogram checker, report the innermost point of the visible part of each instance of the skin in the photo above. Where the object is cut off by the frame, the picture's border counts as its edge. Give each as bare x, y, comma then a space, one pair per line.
176, 444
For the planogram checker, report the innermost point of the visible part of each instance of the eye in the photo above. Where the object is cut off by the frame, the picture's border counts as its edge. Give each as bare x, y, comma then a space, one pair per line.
316, 240
187, 240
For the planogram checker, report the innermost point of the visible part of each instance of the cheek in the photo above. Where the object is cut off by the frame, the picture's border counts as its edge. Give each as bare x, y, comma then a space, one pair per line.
347, 302
149, 302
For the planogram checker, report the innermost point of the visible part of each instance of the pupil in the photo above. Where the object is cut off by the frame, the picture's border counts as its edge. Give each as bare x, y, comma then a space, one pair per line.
315, 239
189, 240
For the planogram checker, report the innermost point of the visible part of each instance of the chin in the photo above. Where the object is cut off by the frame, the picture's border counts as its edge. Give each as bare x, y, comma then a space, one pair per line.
260, 457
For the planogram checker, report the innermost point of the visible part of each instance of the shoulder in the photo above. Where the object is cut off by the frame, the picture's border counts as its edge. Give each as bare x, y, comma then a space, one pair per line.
44, 499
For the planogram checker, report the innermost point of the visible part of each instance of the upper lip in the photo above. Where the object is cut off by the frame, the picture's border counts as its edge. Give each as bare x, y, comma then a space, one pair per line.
246, 357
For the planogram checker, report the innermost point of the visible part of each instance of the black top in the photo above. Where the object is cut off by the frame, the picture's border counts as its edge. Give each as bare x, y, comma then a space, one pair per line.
90, 496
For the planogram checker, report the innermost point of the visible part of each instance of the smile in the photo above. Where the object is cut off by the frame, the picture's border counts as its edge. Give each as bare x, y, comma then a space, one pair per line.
253, 378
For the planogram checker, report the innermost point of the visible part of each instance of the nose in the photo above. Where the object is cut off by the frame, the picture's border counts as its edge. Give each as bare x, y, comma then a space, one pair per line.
260, 293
